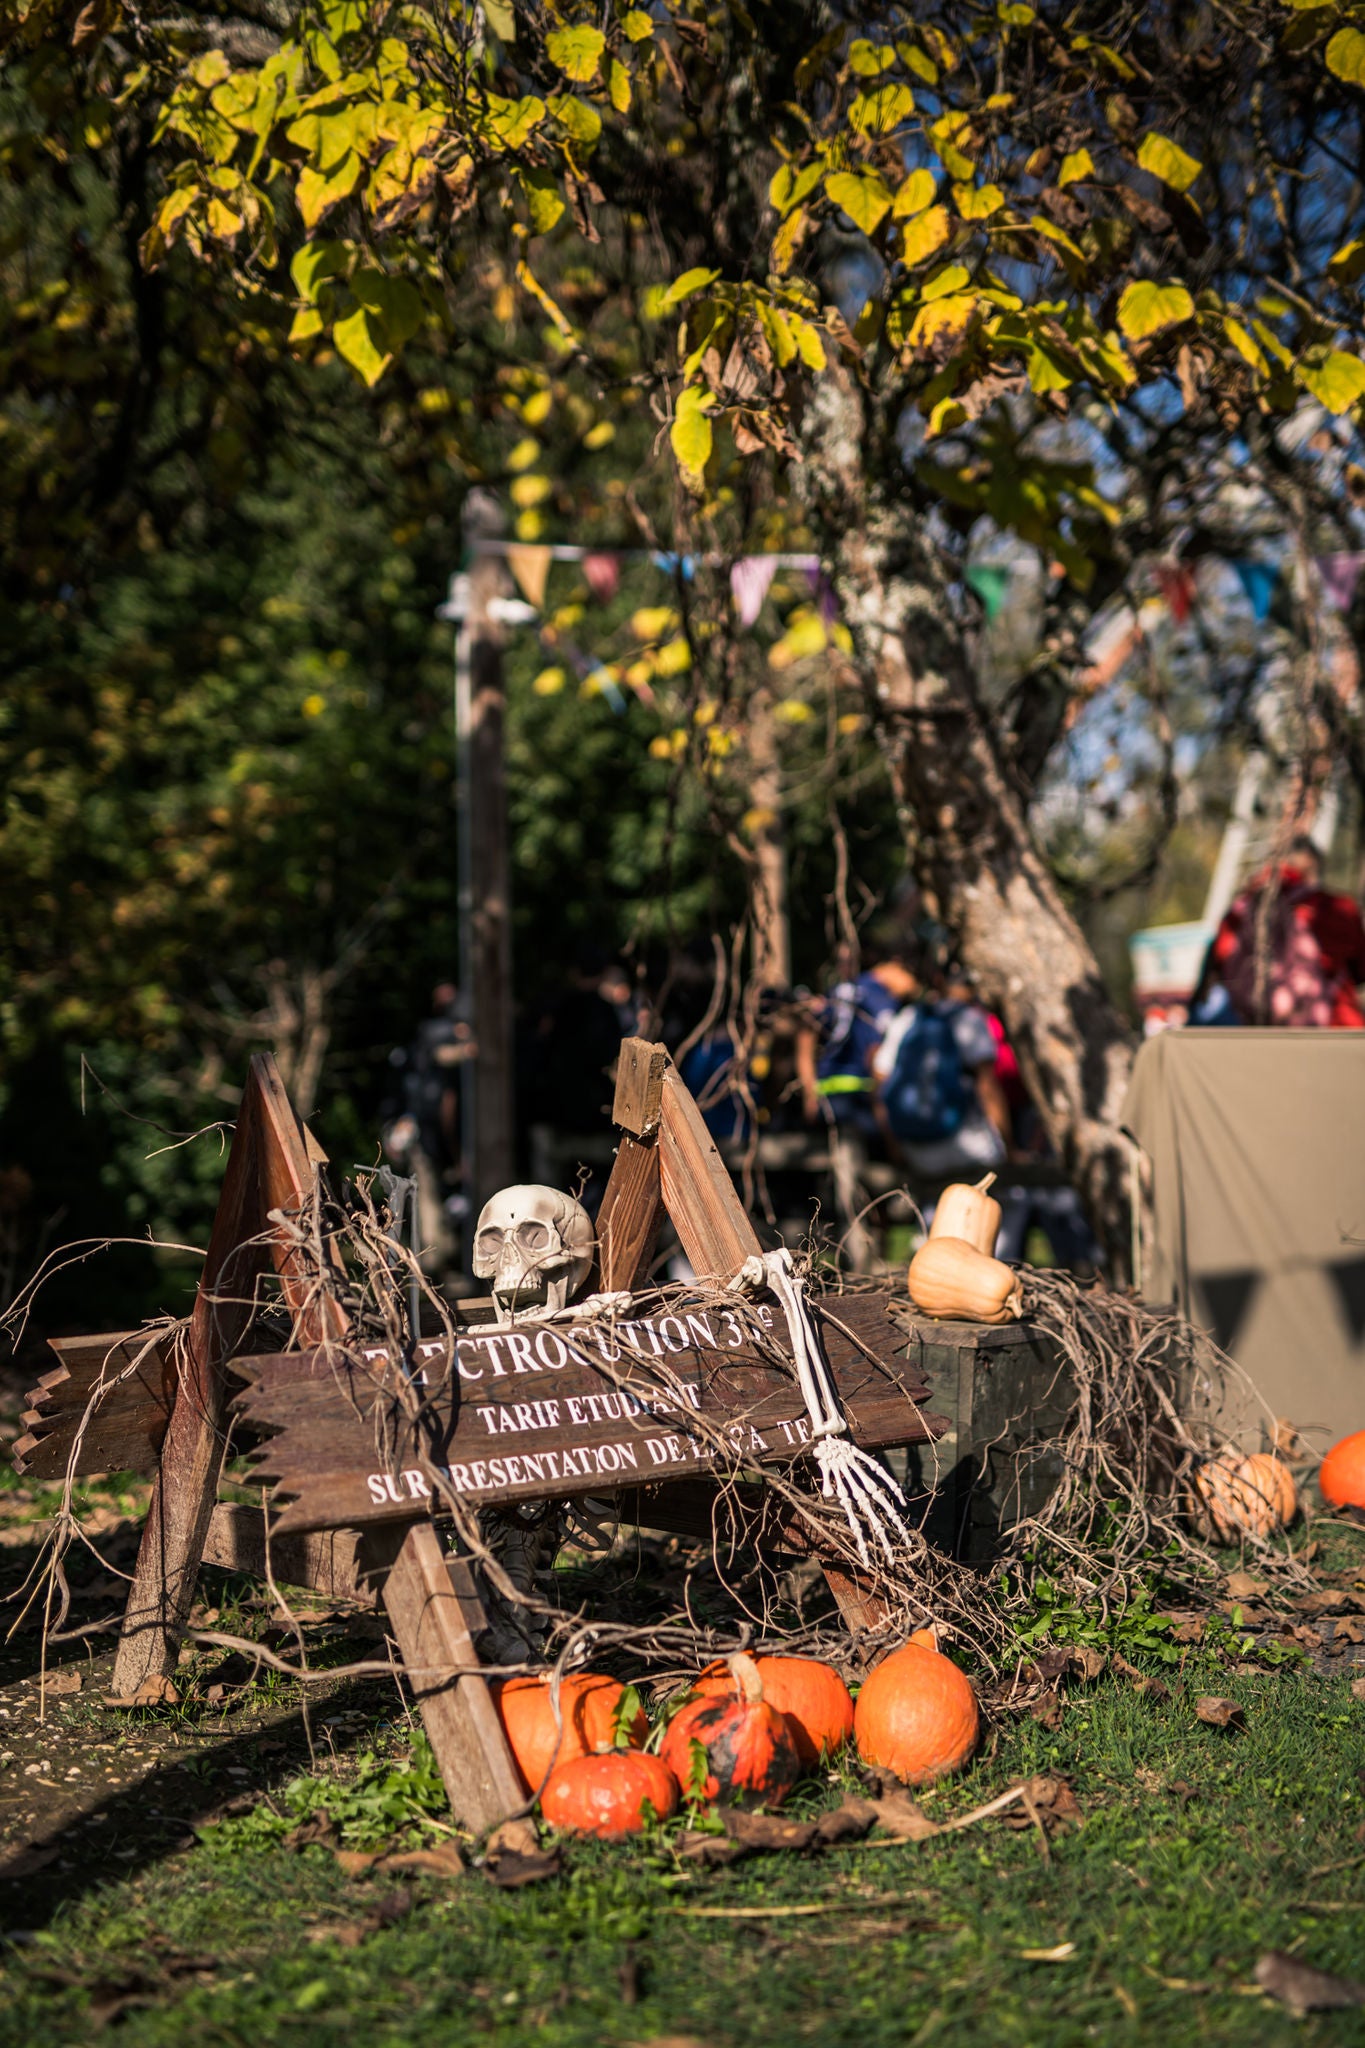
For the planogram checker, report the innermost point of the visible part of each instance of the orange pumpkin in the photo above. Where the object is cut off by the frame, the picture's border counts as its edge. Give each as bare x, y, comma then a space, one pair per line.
589, 1704
1239, 1496
606, 1794
1341, 1478
917, 1716
747, 1746
815, 1700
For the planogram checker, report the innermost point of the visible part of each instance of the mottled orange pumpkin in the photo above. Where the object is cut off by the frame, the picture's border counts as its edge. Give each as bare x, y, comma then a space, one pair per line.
606, 1795
589, 1704
1244, 1496
815, 1700
917, 1716
1341, 1477
747, 1746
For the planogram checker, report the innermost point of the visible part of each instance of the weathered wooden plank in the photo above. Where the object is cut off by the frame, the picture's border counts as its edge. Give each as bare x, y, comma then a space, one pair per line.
69, 1430
547, 1413
640, 1070
699, 1194
269, 1167
327, 1561
431, 1602
629, 1219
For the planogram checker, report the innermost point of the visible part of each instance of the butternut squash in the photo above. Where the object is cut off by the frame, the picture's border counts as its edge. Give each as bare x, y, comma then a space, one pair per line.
969, 1213
952, 1280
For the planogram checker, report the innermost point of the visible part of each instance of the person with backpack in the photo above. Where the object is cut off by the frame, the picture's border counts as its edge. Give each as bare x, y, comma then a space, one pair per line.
939, 1089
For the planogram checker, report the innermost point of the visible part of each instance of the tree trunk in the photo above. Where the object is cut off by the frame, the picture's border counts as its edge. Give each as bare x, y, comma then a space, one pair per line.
968, 839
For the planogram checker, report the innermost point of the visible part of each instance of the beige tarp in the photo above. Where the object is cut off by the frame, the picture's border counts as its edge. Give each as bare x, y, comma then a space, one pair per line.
1257, 1144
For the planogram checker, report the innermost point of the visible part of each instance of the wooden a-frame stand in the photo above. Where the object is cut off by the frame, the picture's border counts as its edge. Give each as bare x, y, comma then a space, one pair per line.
666, 1164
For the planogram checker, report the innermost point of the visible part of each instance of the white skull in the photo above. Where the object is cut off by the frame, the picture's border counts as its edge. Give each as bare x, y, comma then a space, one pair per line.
535, 1245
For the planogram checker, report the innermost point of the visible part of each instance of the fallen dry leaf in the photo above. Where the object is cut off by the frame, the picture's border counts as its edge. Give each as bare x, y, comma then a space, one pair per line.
903, 1819
1350, 1629
444, 1860
1284, 1438
766, 1830
1188, 1631
354, 1862
1304, 1989
1061, 1954
712, 1852
1241, 1586
509, 1870
1358, 1688
1149, 1687
848, 1822
1330, 1601
1150, 1781
517, 1835
1047, 1711
1216, 1712
64, 1681
317, 1828
1090, 1663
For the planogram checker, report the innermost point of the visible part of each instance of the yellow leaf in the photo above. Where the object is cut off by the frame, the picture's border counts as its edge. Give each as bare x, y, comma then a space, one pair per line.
793, 710
790, 186
1346, 56
652, 621
549, 682
914, 59
947, 414
691, 436
809, 345
577, 51
637, 25
879, 111
359, 341
978, 202
1338, 382
943, 316
1348, 262
313, 706
316, 192
862, 195
684, 286
869, 60
210, 69
524, 454
1245, 346
1146, 308
599, 436
951, 278
914, 195
1169, 162
618, 85
526, 491
1045, 373
787, 239
307, 322
805, 635
674, 658
1078, 165
922, 237
537, 408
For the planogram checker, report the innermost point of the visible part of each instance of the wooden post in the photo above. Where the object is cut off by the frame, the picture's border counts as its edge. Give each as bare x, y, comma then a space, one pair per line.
771, 928
271, 1165
485, 894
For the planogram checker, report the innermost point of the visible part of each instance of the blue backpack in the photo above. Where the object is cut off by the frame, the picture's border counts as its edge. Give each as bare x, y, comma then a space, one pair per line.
929, 1091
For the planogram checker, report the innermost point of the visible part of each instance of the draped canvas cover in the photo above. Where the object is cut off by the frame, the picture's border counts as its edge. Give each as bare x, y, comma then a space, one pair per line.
1257, 1145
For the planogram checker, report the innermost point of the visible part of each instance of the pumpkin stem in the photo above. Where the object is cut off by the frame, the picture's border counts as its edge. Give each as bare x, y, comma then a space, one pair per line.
986, 1181
747, 1677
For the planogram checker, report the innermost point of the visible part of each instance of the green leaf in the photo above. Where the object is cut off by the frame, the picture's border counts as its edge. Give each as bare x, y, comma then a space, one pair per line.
1348, 262
947, 414
914, 195
879, 111
360, 343
1146, 308
915, 59
395, 304
577, 51
512, 121
921, 237
1078, 165
210, 69
790, 186
1169, 162
1346, 56
1338, 382
306, 323
1015, 13
691, 435
1244, 344
315, 261
863, 196
951, 278
1045, 372
869, 60
691, 281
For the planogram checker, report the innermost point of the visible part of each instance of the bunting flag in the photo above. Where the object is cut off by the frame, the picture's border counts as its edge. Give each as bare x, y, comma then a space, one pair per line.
1176, 585
675, 565
1340, 574
603, 574
750, 581
990, 581
1259, 580
822, 590
531, 566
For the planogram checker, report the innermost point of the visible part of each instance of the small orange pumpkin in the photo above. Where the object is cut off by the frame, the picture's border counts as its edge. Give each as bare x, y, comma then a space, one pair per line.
748, 1746
589, 1704
917, 1716
1244, 1496
606, 1794
815, 1700
1341, 1477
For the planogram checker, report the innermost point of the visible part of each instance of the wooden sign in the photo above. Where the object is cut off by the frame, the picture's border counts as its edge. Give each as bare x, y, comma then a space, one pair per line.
546, 1411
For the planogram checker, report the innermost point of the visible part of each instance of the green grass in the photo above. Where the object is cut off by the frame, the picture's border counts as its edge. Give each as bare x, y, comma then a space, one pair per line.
1199, 1851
